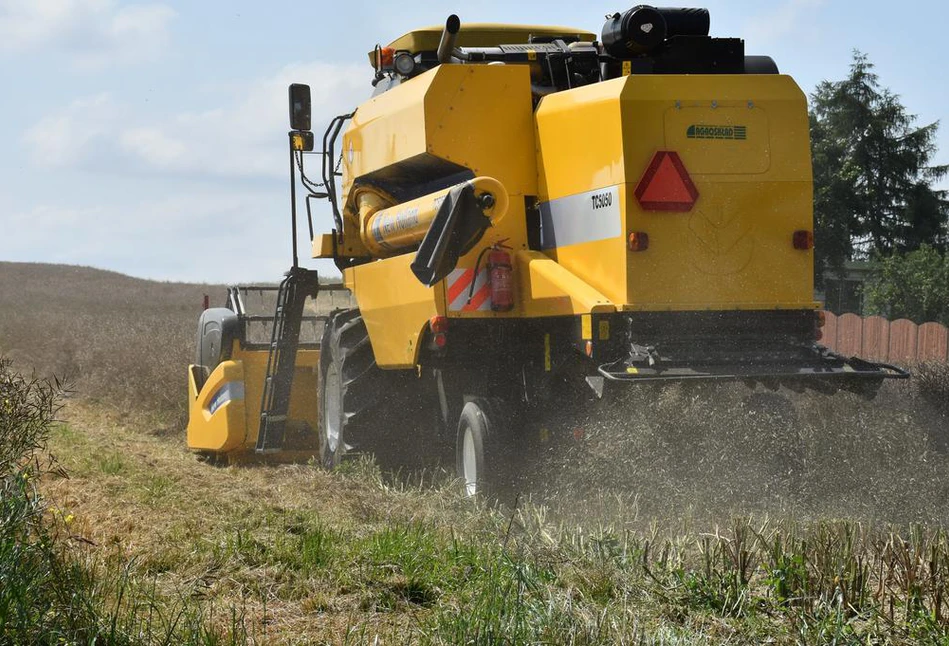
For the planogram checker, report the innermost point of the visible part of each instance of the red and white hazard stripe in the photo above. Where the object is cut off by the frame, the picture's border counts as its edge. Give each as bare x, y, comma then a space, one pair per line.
459, 288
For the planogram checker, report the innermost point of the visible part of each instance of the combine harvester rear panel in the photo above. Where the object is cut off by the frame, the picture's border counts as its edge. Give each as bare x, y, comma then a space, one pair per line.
528, 216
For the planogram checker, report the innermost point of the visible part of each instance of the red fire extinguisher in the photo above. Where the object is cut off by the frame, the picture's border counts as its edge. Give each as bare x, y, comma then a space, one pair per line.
499, 275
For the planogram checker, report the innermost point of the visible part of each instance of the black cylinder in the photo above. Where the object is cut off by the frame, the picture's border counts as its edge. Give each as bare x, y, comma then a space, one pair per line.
635, 31
685, 22
760, 65
447, 42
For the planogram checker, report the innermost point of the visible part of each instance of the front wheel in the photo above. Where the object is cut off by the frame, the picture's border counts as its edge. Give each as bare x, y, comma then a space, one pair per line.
484, 450
348, 388
364, 409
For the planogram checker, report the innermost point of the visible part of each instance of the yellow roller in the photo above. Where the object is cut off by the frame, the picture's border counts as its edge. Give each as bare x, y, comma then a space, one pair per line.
391, 230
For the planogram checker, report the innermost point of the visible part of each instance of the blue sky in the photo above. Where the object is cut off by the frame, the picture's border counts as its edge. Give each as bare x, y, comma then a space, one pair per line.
149, 137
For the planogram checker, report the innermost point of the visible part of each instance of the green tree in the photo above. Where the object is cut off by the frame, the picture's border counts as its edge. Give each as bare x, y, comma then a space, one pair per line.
913, 285
873, 178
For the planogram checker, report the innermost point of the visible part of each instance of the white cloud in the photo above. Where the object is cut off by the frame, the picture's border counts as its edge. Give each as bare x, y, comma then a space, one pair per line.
244, 137
175, 195
67, 137
92, 33
240, 235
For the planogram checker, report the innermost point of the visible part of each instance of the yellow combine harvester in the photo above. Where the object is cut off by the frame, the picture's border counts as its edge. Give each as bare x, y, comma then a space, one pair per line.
528, 217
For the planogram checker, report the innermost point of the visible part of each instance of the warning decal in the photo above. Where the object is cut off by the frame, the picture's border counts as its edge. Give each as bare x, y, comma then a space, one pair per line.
461, 296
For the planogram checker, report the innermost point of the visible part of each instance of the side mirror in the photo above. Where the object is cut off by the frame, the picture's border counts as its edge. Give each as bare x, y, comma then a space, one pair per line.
299, 106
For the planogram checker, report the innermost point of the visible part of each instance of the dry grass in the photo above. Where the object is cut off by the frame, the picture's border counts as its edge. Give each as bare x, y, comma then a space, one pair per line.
119, 340
622, 536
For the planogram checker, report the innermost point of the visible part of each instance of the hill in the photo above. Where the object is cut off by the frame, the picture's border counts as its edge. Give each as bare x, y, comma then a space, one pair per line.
115, 338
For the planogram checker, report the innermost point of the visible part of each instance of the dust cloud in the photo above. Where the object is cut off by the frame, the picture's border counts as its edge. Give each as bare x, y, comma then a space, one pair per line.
708, 451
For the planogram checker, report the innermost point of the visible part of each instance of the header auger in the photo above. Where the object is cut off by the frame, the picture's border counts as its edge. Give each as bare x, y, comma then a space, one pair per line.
527, 218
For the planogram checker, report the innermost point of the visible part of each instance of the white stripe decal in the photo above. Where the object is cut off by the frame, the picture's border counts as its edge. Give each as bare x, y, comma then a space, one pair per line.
584, 217
232, 390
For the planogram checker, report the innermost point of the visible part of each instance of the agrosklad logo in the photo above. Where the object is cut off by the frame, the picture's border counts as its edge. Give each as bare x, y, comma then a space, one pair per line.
697, 131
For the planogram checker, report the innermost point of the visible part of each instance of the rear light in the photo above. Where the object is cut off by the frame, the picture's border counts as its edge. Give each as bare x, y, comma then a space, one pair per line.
821, 318
803, 240
638, 241
439, 327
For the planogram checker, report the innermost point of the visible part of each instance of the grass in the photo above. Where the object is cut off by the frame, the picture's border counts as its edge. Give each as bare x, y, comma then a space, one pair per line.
701, 518
300, 555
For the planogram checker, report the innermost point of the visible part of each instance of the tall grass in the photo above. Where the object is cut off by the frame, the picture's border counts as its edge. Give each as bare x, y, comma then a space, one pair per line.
52, 591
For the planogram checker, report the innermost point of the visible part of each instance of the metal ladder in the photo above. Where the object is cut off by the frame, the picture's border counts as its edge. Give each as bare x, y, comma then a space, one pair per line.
285, 338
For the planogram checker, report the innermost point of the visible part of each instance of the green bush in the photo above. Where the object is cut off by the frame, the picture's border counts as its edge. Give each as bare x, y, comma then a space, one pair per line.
29, 567
49, 592
913, 285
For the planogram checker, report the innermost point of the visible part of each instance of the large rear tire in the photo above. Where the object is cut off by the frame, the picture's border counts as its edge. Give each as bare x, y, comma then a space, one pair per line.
484, 450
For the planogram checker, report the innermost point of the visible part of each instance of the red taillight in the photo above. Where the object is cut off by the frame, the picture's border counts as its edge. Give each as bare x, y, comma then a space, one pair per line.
441, 340
821, 318
638, 241
438, 324
803, 240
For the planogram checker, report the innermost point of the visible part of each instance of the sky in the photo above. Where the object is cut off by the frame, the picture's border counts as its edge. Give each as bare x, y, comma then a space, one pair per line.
149, 137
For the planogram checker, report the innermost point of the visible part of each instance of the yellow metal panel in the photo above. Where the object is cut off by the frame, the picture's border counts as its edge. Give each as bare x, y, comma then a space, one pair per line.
734, 247
550, 290
479, 116
223, 430
396, 308
770, 101
733, 250
323, 246
579, 142
731, 138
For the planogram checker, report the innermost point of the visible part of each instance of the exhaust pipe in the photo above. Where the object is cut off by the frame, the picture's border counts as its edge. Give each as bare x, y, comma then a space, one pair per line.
447, 43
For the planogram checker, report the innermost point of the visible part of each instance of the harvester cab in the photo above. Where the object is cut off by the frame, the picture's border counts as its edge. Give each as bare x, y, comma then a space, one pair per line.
528, 217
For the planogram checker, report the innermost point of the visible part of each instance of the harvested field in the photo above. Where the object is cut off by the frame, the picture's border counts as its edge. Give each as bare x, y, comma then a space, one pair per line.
683, 516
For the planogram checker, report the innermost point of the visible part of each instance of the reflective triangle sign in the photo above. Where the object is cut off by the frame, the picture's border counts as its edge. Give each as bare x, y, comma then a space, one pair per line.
666, 185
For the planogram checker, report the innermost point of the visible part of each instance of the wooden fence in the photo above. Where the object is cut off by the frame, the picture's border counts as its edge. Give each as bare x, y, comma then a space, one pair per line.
878, 339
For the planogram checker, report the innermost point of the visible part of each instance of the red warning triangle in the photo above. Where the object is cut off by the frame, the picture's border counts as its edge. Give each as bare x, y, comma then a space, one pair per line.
666, 185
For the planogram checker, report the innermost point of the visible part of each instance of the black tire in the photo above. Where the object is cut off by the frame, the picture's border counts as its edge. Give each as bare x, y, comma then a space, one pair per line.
363, 409
484, 451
